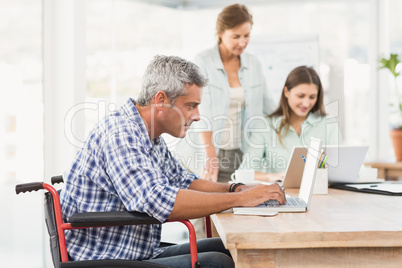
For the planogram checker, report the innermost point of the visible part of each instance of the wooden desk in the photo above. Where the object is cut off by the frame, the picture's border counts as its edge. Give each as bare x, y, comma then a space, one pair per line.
341, 229
388, 171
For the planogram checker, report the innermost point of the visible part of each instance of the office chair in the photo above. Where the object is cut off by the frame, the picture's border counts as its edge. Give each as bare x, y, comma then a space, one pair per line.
56, 227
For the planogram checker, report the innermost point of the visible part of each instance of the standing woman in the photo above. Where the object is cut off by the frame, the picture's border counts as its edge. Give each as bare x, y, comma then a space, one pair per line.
300, 115
233, 96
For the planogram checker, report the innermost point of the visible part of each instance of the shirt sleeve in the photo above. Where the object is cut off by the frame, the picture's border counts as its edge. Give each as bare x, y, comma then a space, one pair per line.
138, 180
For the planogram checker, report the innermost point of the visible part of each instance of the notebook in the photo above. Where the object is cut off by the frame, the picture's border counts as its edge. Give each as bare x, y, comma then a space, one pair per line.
387, 188
302, 202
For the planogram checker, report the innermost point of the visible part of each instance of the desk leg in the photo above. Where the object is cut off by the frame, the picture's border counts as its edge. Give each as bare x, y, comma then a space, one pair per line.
381, 173
253, 258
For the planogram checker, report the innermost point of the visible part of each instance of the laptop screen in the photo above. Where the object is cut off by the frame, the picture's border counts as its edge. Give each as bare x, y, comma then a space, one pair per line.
310, 169
344, 162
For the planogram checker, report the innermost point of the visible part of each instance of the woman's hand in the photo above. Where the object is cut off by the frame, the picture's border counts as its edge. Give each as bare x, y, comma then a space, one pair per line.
211, 165
211, 169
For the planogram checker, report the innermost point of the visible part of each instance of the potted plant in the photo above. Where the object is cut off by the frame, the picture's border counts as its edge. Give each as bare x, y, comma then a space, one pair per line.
391, 64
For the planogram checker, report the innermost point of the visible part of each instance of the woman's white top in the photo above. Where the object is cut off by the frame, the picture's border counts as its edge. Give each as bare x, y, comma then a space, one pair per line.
231, 132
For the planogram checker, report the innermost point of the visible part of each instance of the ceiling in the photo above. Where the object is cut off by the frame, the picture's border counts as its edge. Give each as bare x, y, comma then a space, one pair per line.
202, 4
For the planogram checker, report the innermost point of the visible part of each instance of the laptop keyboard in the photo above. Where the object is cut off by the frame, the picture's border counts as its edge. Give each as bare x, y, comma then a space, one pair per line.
290, 202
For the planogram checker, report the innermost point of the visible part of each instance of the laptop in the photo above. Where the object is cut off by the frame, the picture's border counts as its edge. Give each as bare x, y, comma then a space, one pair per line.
294, 170
343, 163
302, 202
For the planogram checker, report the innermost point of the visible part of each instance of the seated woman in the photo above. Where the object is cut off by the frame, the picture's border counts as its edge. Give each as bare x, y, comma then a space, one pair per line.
300, 115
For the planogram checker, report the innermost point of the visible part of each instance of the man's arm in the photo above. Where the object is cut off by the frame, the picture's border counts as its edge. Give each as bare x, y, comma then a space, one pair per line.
209, 186
191, 204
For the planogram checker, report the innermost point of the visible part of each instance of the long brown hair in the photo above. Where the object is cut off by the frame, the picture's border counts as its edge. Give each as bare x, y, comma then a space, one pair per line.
231, 17
299, 75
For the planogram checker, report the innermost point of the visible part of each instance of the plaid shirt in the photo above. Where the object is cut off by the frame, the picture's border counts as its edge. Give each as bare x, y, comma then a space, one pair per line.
120, 168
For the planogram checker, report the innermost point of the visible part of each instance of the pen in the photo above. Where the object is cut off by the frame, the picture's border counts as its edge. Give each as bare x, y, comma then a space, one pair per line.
319, 160
304, 159
323, 161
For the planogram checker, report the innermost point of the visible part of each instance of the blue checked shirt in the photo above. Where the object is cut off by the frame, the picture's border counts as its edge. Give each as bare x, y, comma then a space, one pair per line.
120, 168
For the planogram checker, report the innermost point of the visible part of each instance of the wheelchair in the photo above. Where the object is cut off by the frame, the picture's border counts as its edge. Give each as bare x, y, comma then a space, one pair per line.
56, 226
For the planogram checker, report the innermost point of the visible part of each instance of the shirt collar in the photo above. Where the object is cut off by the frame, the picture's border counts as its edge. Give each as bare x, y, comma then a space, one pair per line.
134, 115
312, 118
218, 62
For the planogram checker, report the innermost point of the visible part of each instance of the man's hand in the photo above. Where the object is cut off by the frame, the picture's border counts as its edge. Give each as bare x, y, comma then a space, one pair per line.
254, 195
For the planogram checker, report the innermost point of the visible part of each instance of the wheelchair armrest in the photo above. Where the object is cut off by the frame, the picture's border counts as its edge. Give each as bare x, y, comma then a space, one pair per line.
112, 218
28, 187
57, 179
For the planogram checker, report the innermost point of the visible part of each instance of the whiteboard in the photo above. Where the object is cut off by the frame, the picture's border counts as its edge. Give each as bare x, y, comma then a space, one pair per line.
281, 54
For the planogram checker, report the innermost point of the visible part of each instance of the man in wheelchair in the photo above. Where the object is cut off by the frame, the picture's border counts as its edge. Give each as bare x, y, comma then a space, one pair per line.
125, 165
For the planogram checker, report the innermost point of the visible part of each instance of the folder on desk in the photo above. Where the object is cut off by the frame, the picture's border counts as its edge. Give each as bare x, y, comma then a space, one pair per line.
386, 188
